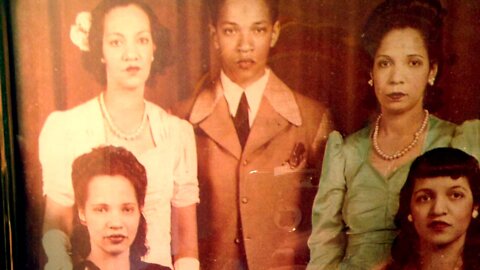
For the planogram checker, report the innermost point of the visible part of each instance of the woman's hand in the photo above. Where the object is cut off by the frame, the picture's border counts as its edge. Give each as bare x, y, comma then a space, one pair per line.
57, 227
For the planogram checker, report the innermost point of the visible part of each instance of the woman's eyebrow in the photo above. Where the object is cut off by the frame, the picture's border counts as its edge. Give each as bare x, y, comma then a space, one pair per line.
121, 34
425, 190
113, 34
383, 56
99, 204
130, 203
416, 55
459, 187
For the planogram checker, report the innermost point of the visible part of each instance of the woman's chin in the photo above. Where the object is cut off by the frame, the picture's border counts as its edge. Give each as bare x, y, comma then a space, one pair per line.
399, 109
117, 251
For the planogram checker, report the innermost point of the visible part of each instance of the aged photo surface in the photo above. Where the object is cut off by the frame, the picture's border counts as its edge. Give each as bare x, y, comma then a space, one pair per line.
318, 54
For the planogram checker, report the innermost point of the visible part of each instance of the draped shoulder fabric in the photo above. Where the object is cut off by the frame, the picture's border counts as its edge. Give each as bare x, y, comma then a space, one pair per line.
467, 138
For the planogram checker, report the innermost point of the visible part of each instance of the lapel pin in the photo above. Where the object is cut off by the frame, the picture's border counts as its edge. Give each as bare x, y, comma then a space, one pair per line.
297, 155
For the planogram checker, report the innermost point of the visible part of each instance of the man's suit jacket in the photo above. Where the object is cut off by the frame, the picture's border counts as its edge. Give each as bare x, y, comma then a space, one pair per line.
266, 190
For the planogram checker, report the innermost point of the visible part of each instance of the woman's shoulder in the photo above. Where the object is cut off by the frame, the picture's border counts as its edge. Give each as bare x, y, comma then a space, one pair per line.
440, 133
88, 106
166, 117
468, 130
349, 146
74, 118
470, 125
167, 125
441, 125
358, 139
467, 136
351, 139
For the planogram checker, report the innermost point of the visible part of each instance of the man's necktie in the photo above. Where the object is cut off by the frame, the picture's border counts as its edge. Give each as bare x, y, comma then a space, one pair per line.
241, 120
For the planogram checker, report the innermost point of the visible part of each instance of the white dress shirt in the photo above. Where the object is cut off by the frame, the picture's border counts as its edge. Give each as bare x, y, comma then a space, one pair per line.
254, 93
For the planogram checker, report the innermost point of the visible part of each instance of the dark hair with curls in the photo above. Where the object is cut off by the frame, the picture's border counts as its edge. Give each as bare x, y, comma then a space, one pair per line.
108, 160
425, 16
438, 162
215, 7
160, 35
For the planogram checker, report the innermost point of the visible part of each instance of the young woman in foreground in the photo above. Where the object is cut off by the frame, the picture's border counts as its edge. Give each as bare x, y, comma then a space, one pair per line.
438, 214
110, 186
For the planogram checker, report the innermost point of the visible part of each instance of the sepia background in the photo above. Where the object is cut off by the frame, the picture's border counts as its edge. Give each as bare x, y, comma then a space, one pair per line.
318, 54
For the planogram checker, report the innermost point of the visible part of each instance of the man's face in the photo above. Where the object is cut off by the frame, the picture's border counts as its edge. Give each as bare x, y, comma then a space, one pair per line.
244, 34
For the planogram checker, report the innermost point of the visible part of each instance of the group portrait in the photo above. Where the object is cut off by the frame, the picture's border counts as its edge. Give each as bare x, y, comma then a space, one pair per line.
247, 134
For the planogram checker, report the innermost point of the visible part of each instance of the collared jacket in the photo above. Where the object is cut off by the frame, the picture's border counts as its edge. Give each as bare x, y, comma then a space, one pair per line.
257, 200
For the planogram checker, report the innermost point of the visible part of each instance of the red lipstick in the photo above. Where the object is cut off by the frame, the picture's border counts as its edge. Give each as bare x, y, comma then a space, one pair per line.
116, 238
395, 96
438, 225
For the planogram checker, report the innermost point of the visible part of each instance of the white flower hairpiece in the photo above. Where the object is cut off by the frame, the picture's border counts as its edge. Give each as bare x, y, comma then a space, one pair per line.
79, 31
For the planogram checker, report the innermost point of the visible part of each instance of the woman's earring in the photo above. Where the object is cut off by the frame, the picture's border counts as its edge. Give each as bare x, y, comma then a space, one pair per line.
410, 218
370, 82
431, 81
153, 58
102, 60
474, 213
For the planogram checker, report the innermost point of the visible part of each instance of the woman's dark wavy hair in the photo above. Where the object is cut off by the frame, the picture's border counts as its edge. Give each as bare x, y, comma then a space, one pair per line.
108, 160
438, 162
425, 16
215, 6
160, 35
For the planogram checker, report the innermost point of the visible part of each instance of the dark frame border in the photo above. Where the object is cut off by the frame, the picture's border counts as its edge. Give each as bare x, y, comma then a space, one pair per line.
13, 248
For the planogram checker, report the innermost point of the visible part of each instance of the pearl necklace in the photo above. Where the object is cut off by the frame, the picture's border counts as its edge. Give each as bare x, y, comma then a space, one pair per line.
402, 152
115, 130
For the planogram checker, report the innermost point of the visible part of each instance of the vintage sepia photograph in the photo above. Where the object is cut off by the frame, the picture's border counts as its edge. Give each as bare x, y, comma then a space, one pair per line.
240, 134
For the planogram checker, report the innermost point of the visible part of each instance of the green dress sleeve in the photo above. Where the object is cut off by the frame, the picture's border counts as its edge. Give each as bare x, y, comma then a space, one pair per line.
467, 138
327, 241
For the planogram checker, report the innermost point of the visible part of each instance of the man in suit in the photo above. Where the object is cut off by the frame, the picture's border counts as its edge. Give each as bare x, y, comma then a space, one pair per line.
259, 147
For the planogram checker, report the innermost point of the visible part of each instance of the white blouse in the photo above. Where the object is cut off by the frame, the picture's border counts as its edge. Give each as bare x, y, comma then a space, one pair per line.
171, 166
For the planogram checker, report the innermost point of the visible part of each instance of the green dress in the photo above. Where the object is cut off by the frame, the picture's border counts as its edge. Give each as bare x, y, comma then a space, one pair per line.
354, 209
467, 138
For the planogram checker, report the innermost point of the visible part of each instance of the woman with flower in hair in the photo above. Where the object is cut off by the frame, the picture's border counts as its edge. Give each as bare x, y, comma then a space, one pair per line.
438, 213
109, 186
357, 198
125, 45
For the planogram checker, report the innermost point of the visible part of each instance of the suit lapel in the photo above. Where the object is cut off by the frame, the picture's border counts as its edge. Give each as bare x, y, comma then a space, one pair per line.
219, 126
277, 111
267, 125
210, 112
